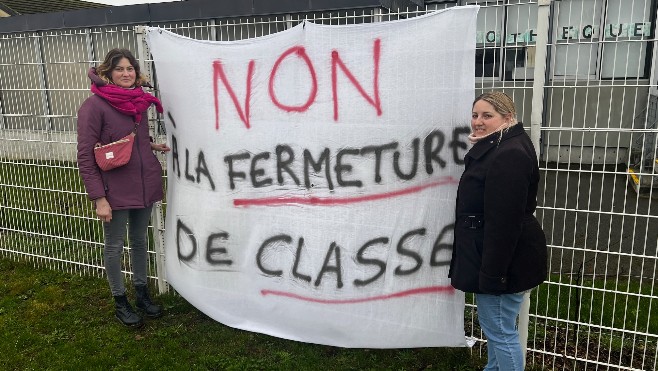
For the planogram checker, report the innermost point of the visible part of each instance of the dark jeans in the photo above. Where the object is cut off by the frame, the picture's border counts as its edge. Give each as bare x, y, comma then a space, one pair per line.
115, 236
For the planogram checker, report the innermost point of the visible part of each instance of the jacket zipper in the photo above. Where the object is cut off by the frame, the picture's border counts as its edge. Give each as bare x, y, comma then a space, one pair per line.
141, 169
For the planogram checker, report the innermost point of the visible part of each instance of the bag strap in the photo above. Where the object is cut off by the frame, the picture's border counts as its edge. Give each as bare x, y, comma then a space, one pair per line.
133, 132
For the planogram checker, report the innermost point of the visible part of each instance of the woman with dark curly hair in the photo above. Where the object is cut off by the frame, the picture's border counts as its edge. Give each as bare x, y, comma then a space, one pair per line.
126, 194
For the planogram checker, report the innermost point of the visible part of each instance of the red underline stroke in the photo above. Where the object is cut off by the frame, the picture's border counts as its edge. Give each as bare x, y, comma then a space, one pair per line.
329, 201
418, 291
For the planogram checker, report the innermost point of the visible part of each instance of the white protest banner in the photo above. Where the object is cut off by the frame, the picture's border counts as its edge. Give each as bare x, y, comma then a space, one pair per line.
312, 177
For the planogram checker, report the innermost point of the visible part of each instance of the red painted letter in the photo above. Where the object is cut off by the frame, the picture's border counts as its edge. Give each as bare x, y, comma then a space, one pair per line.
218, 73
336, 61
301, 53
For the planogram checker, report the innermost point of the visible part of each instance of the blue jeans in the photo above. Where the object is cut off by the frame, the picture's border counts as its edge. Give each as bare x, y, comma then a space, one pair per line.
497, 315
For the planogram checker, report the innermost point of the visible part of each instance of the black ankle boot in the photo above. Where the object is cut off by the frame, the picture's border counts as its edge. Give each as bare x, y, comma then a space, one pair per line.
144, 302
125, 313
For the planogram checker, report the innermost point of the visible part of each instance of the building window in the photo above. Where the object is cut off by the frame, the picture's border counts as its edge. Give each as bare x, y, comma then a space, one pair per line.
601, 39
520, 39
628, 26
576, 39
488, 38
591, 39
506, 35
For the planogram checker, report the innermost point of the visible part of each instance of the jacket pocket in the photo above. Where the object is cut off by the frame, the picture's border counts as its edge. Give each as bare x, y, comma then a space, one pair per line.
466, 268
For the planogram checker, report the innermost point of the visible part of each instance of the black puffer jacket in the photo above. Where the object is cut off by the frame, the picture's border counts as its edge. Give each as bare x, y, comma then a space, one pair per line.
499, 246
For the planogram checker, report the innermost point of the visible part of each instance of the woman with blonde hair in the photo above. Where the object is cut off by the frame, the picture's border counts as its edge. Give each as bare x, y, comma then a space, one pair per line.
126, 194
499, 251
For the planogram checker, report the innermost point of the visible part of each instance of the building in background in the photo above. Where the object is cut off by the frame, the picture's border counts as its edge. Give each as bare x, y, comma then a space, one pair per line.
10, 8
600, 106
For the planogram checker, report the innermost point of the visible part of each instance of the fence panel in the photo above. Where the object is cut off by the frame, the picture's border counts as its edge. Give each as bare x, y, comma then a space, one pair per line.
598, 126
602, 233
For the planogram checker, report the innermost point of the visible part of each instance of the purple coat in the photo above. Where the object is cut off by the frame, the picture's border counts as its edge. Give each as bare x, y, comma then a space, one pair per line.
135, 185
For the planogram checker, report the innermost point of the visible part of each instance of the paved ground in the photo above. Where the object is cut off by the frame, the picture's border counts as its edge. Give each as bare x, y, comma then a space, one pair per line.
595, 221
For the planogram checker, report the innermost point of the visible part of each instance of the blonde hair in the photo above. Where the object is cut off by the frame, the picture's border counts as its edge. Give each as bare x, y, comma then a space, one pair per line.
501, 102
112, 58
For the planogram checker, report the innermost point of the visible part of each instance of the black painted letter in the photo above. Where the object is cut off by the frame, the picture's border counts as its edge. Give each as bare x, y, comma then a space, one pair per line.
334, 248
235, 174
259, 255
188, 232
212, 253
366, 261
410, 253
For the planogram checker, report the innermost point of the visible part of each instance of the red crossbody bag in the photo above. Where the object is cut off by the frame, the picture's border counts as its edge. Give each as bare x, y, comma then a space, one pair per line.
116, 154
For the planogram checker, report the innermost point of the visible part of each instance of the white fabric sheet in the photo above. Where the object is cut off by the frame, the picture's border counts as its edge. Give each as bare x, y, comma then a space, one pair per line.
313, 175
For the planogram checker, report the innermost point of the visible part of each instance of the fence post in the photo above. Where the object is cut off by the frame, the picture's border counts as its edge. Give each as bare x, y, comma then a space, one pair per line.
43, 79
157, 219
539, 78
536, 116
2, 111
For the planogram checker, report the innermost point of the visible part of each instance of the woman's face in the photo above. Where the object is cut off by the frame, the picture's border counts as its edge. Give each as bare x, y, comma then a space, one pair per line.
124, 74
485, 119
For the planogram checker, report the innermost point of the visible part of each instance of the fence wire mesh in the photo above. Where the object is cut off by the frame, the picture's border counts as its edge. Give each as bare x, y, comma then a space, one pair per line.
598, 156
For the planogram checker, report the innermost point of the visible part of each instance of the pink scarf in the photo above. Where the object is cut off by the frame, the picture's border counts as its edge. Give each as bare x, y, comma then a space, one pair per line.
130, 102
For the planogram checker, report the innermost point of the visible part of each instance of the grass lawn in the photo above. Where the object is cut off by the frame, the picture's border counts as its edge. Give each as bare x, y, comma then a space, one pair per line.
54, 320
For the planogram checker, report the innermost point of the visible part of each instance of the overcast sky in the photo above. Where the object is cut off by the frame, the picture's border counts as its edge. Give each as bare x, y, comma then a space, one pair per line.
128, 2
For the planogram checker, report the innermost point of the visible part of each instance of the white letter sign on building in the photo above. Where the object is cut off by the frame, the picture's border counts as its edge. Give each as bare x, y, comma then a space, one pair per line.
312, 177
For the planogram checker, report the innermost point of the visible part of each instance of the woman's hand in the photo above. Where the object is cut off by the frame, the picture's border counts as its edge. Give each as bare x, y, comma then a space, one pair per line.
103, 210
162, 147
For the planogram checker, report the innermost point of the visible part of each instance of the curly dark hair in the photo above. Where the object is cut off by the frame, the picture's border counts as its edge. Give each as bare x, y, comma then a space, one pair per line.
112, 58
